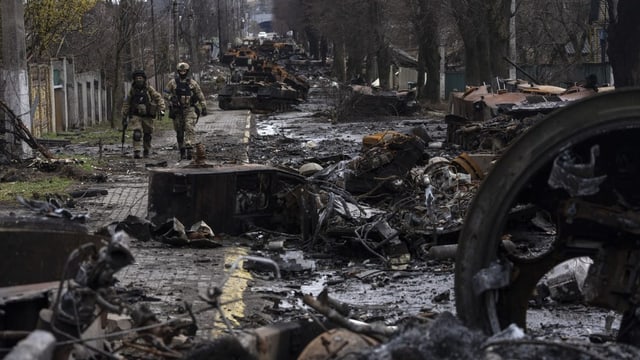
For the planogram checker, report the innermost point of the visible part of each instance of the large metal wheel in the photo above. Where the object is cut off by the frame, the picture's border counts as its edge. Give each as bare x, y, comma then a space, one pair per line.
494, 283
224, 103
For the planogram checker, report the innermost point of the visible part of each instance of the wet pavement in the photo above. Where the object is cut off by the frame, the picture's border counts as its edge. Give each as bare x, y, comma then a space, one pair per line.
169, 276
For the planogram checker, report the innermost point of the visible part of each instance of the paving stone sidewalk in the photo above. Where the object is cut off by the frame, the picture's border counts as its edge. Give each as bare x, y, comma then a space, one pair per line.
127, 194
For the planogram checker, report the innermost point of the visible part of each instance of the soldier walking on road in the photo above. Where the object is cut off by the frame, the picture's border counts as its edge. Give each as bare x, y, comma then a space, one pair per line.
142, 104
186, 104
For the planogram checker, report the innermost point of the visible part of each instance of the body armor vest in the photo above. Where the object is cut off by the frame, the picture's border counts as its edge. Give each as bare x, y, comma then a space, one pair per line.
140, 102
183, 92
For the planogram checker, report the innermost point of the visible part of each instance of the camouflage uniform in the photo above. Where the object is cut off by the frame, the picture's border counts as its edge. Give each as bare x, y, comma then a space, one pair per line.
142, 105
187, 103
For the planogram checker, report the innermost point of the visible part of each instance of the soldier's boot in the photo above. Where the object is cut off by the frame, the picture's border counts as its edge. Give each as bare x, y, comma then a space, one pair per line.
183, 153
189, 152
136, 154
146, 141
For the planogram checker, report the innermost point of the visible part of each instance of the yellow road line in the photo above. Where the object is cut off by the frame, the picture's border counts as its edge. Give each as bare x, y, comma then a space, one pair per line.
232, 293
247, 130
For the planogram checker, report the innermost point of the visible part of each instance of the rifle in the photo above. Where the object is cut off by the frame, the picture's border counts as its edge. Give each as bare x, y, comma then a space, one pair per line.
125, 122
197, 111
174, 107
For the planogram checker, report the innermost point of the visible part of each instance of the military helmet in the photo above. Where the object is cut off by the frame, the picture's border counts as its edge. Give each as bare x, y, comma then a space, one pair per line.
182, 66
139, 72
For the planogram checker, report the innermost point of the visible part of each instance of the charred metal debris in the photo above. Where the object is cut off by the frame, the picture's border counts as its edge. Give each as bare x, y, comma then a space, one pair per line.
387, 203
484, 118
388, 200
568, 215
84, 315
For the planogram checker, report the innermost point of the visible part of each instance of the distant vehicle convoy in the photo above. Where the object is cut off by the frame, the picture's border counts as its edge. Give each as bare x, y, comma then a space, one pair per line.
258, 82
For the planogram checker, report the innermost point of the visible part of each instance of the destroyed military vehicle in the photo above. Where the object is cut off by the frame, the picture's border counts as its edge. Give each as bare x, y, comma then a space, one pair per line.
258, 96
566, 189
265, 88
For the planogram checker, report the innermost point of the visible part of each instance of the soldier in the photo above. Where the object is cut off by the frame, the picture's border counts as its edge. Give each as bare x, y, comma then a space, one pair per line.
186, 104
142, 104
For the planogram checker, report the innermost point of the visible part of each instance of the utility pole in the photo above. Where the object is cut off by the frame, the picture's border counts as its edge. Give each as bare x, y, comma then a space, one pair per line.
512, 40
193, 42
176, 46
220, 40
14, 89
153, 46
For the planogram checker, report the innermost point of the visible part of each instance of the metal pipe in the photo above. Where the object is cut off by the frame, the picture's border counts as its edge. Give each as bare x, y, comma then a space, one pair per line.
521, 70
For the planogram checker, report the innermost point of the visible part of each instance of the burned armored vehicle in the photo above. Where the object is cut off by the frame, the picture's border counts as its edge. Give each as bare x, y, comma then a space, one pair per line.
258, 96
566, 189
264, 88
236, 96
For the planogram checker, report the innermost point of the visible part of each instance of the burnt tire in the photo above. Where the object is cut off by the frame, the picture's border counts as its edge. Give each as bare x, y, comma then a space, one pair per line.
224, 104
527, 159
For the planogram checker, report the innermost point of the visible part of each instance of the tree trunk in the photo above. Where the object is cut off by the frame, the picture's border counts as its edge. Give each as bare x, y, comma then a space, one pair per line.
339, 68
384, 66
324, 49
122, 48
428, 51
355, 65
314, 42
371, 67
624, 47
432, 62
498, 17
484, 27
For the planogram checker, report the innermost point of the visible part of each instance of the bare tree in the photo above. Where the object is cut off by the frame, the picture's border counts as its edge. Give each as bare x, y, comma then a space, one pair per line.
381, 47
555, 32
49, 22
484, 27
424, 17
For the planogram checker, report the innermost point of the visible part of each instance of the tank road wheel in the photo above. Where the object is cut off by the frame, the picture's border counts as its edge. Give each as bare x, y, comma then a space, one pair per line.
224, 103
578, 170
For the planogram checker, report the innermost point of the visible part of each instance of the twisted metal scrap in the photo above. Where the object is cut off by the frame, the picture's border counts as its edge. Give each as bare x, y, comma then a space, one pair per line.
19, 130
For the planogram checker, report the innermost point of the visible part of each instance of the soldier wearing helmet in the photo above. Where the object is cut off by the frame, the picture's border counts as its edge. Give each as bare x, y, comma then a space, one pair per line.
186, 104
142, 105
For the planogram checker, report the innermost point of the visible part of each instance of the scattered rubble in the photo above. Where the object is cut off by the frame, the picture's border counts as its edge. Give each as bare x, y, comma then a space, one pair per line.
385, 213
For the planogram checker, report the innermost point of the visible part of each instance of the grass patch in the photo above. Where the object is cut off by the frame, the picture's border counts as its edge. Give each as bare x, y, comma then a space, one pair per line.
103, 133
33, 188
86, 163
92, 136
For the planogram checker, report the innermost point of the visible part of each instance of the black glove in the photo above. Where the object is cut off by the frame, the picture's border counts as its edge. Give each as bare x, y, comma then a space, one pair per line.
204, 111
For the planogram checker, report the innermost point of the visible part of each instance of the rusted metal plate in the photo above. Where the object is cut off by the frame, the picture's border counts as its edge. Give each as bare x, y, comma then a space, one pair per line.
336, 343
230, 199
20, 306
36, 250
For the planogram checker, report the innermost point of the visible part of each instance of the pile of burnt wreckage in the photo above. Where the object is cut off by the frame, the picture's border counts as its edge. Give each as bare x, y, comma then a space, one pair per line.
390, 199
480, 119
